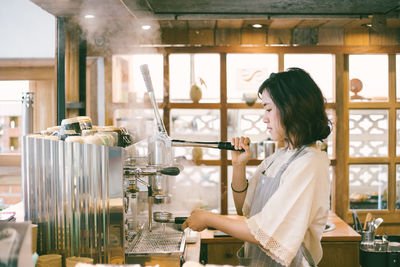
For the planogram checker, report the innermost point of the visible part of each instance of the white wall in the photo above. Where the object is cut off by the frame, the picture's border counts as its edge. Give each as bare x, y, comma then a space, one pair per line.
26, 30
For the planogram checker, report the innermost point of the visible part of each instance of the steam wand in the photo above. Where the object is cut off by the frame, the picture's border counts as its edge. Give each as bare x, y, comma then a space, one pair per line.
147, 81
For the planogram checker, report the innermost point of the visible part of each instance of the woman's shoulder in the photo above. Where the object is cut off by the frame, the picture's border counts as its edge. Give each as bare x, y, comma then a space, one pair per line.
311, 159
316, 155
311, 165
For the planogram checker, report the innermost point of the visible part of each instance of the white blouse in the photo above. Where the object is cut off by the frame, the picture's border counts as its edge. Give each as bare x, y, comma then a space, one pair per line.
298, 210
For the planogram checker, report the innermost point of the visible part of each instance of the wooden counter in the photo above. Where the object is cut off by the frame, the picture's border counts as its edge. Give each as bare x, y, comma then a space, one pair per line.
343, 231
340, 246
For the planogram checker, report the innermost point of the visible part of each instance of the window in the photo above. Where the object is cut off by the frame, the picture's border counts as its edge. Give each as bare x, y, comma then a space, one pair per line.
11, 115
368, 77
186, 70
368, 186
371, 134
319, 66
397, 186
224, 111
368, 132
246, 72
196, 125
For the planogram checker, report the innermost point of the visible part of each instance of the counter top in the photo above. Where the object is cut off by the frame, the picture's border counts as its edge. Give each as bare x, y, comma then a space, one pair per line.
342, 232
192, 250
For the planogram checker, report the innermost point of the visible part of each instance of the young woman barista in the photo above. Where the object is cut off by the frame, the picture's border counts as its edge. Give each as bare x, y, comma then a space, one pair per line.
286, 203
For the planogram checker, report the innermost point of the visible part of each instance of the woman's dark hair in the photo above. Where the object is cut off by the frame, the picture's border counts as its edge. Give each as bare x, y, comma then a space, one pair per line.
300, 104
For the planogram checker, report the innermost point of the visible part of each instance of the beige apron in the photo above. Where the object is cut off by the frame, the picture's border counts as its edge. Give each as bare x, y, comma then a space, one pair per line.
251, 254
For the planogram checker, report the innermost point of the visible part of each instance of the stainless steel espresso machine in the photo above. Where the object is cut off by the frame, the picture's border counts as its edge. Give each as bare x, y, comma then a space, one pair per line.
95, 201
108, 203
155, 241
151, 237
102, 202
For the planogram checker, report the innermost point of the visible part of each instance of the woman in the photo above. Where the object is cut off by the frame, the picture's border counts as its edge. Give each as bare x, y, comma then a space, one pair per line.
286, 203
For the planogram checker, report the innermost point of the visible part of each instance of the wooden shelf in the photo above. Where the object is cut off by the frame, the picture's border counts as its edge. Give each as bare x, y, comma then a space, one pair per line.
194, 105
10, 159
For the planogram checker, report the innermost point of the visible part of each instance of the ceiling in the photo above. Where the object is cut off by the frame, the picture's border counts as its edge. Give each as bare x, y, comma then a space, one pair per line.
233, 14
203, 9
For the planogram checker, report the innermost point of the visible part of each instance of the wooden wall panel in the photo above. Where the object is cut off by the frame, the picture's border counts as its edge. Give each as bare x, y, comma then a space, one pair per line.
201, 37
254, 37
356, 36
72, 65
174, 36
44, 104
387, 37
279, 36
305, 36
227, 37
330, 36
108, 91
390, 229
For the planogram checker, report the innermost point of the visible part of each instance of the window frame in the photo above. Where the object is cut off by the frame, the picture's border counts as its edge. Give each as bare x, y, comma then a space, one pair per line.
340, 105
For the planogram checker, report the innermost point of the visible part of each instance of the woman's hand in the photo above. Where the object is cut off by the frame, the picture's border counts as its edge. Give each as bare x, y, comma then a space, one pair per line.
241, 158
197, 220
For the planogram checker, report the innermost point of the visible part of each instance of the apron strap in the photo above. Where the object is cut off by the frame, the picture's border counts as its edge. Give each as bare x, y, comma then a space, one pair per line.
283, 168
286, 164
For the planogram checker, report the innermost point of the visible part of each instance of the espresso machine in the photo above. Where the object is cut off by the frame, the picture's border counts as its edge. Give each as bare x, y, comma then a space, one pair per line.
111, 204
152, 235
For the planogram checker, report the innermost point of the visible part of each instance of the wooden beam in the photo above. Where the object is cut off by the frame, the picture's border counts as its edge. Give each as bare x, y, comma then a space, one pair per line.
224, 135
391, 185
340, 182
27, 73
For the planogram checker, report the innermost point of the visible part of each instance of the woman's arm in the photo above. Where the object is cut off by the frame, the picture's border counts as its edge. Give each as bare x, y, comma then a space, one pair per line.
239, 161
239, 183
236, 227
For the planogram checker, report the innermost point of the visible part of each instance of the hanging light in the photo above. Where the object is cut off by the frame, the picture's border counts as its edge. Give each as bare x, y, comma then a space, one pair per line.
146, 27
257, 25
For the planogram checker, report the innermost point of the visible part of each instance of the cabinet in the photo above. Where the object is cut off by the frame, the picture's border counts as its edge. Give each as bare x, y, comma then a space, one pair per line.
340, 246
219, 250
344, 254
223, 253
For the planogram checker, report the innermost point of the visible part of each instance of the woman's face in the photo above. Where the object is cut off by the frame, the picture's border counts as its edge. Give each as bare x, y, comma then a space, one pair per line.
272, 118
